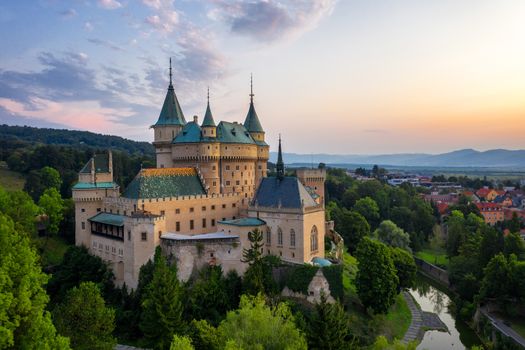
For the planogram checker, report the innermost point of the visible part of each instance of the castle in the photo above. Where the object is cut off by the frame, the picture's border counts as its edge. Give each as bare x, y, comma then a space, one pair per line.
209, 189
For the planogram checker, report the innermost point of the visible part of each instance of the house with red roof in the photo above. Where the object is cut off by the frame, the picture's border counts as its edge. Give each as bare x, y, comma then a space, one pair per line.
491, 212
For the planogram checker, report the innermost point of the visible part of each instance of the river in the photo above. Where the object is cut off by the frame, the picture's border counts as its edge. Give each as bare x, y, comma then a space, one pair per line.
432, 299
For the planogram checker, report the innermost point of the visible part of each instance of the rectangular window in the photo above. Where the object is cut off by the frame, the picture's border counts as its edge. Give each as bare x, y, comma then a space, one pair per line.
82, 210
237, 167
227, 167
234, 205
227, 183
213, 222
203, 223
83, 225
214, 183
144, 236
191, 224
191, 210
177, 211
129, 235
162, 212
224, 206
212, 207
98, 209
177, 226
237, 182
203, 208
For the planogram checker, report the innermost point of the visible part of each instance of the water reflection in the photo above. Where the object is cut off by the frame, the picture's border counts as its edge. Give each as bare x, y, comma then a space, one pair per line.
431, 299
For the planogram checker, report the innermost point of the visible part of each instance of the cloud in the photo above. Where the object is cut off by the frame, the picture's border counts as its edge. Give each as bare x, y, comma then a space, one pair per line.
109, 4
271, 20
88, 26
165, 17
106, 43
67, 14
156, 4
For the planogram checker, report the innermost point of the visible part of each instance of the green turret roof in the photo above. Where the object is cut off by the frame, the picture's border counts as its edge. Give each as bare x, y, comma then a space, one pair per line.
171, 113
252, 123
208, 117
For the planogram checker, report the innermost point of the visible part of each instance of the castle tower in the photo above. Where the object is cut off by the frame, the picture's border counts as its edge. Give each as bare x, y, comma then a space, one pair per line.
209, 129
253, 126
280, 163
170, 123
313, 179
209, 166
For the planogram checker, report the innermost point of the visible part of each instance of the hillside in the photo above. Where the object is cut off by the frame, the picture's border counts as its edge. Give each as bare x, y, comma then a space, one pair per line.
497, 158
31, 135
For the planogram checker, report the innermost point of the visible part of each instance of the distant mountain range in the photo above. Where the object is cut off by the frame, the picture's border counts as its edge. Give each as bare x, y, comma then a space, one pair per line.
497, 158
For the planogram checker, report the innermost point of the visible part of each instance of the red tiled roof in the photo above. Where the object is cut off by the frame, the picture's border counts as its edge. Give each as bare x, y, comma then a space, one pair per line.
488, 206
483, 192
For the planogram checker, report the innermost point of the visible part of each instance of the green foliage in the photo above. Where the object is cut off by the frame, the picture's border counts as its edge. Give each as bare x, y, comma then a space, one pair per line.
353, 227
79, 266
368, 208
491, 244
162, 308
204, 336
21, 209
258, 277
24, 322
258, 326
300, 277
382, 343
85, 319
329, 328
376, 279
393, 236
513, 244
405, 266
253, 254
334, 276
53, 206
40, 180
181, 343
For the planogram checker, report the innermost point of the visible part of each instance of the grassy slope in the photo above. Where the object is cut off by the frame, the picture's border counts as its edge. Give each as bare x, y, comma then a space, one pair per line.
392, 325
11, 180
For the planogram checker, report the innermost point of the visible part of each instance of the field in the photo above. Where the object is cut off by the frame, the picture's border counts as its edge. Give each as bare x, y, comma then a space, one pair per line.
433, 256
10, 180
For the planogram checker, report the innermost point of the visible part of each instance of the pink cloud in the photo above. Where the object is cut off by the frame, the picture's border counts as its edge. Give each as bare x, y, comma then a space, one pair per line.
109, 4
84, 115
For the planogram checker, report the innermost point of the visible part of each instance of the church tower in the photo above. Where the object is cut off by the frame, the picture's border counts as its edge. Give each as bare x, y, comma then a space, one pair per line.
253, 126
170, 123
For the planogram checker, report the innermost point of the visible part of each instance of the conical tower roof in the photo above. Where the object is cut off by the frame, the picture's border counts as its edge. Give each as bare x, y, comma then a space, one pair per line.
252, 123
280, 163
208, 117
171, 113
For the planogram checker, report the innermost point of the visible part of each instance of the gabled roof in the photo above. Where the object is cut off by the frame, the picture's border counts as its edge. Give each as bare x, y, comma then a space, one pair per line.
287, 192
252, 123
208, 117
171, 113
101, 162
164, 182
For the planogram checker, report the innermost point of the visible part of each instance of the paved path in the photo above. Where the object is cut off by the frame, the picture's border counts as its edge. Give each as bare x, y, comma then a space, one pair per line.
414, 329
503, 328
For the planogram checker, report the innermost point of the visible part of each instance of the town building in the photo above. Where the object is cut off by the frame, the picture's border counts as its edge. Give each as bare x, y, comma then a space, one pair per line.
208, 190
492, 212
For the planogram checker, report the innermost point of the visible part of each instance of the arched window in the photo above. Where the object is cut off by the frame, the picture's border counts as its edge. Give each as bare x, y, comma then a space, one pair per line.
279, 236
292, 238
268, 236
314, 239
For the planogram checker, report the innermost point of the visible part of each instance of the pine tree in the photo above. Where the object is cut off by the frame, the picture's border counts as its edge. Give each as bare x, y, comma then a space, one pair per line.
254, 276
329, 329
162, 306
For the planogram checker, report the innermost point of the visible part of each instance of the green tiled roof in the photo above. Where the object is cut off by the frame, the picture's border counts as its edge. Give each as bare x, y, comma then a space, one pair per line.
191, 132
101, 164
244, 222
208, 117
108, 219
88, 186
252, 122
164, 182
171, 113
233, 133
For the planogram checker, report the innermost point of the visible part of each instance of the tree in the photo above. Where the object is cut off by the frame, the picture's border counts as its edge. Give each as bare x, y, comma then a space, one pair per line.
181, 343
376, 279
402, 217
391, 235
491, 244
20, 208
369, 209
457, 232
84, 317
258, 326
513, 244
405, 266
162, 308
496, 282
53, 206
353, 227
329, 329
79, 266
25, 324
40, 180
253, 279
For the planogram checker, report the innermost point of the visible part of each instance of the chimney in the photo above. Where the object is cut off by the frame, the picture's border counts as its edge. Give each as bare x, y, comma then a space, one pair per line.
195, 119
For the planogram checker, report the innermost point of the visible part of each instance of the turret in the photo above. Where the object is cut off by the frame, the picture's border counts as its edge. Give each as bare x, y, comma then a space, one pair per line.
280, 164
252, 123
170, 123
209, 129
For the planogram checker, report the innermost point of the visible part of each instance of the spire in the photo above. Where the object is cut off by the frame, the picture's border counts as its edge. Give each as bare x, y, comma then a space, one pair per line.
280, 164
171, 113
208, 117
252, 123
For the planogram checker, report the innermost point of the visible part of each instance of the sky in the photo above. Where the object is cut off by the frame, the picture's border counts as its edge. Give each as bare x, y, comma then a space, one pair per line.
341, 77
